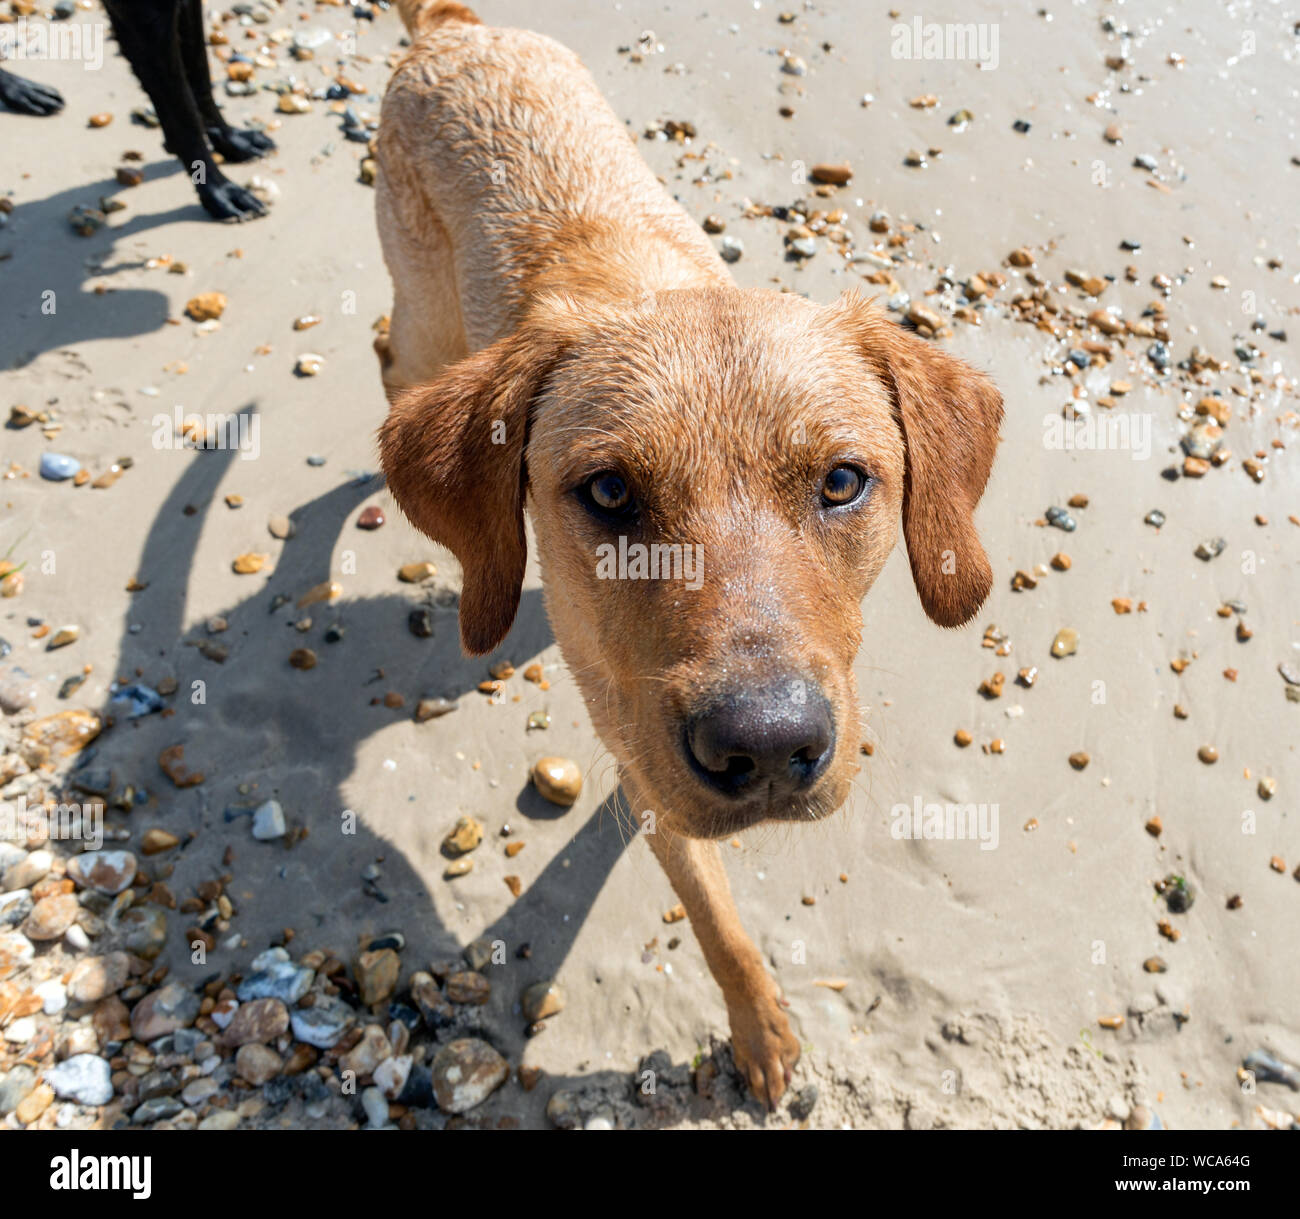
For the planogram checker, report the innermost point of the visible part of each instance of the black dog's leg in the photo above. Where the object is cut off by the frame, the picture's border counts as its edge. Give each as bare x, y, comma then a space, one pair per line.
148, 31
233, 143
27, 97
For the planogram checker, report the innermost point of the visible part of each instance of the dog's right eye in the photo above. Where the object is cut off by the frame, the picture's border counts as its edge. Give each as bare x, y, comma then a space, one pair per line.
608, 494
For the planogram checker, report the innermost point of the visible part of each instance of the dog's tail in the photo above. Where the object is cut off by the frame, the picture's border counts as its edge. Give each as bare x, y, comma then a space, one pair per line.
421, 15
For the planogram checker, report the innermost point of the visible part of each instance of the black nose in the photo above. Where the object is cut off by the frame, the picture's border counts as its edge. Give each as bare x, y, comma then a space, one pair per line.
778, 737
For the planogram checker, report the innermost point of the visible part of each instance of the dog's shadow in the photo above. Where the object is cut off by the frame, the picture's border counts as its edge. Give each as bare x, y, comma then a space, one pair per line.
258, 728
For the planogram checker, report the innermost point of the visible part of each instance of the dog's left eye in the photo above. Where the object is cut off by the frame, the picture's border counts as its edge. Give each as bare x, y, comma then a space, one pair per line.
608, 495
842, 486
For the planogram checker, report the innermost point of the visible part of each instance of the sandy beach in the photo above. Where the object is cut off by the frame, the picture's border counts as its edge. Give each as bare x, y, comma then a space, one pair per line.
1095, 204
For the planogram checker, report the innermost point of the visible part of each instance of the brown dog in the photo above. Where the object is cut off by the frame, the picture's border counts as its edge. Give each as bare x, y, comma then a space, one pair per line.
565, 338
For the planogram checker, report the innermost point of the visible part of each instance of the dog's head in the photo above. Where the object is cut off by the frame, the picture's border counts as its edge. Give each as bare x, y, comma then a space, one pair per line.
715, 479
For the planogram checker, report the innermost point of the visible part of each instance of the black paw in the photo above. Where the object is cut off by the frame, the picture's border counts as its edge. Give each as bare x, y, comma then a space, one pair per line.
27, 97
226, 201
240, 144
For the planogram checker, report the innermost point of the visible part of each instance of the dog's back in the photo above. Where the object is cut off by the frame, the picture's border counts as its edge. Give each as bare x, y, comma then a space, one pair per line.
498, 152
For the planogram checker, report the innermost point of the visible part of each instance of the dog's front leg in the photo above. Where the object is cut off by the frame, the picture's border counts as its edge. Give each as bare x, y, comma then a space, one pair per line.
761, 1041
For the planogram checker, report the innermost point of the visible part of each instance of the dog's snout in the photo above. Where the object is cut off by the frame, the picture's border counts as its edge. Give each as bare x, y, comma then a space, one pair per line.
777, 738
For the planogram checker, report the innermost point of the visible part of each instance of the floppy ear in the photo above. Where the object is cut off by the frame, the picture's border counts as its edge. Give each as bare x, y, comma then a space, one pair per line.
453, 453
949, 414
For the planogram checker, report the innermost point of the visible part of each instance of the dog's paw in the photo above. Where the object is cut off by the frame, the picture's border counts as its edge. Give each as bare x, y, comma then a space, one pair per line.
764, 1048
240, 143
27, 97
226, 201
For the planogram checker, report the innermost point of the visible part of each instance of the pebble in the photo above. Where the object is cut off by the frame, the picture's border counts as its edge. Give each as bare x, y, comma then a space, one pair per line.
58, 466
199, 1090
463, 837
1208, 754
732, 249
371, 517
468, 987
558, 780
376, 1108
309, 364
18, 691
53, 996
322, 1024
171, 1007
392, 1074
1179, 895
21, 1031
280, 527
15, 906
15, 1086
15, 950
465, 1073
268, 821
1155, 517
368, 1053
159, 1109
29, 871
1066, 642
206, 307
144, 931
62, 637
805, 1100
156, 840
260, 1021
540, 1000
563, 1110
1061, 519
95, 978
108, 872
377, 974
1079, 760
84, 1078
281, 980
416, 573
1268, 1068
420, 622
251, 563
435, 1009
257, 1063
51, 917
832, 175
433, 708
137, 699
